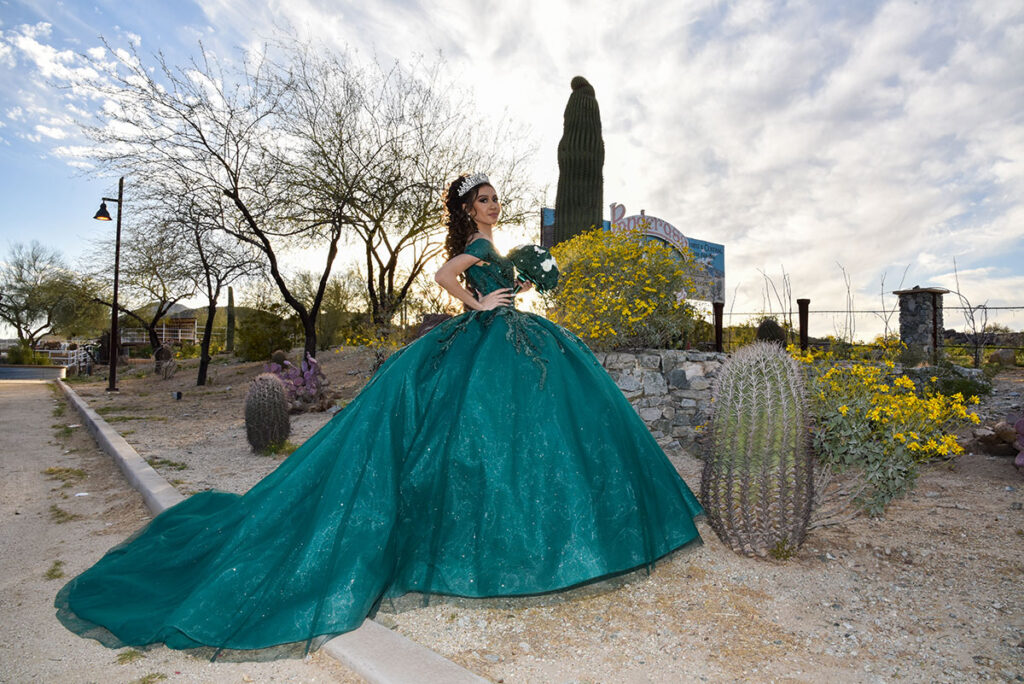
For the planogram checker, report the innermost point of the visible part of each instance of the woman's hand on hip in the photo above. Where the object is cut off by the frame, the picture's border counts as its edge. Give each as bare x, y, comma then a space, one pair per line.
493, 300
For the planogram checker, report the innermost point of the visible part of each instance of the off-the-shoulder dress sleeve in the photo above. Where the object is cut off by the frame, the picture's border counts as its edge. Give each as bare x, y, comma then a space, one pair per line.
481, 248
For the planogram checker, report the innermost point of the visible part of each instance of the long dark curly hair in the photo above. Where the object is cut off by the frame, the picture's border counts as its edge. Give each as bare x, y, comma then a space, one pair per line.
460, 224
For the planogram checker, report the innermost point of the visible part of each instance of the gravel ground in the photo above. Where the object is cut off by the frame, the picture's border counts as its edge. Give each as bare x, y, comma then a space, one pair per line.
56, 524
932, 592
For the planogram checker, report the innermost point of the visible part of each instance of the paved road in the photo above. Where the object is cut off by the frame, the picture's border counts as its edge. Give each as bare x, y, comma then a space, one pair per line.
60, 523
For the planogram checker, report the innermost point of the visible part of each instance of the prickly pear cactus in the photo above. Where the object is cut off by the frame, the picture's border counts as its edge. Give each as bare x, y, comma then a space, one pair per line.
757, 487
579, 199
266, 413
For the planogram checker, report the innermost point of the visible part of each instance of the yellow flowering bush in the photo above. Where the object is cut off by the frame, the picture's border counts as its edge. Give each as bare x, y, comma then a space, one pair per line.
617, 290
881, 425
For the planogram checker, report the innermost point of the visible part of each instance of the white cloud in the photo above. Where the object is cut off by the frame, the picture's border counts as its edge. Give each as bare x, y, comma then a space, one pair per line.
872, 134
7, 56
51, 132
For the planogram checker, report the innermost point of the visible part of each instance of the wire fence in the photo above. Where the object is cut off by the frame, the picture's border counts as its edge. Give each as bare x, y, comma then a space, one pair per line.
964, 330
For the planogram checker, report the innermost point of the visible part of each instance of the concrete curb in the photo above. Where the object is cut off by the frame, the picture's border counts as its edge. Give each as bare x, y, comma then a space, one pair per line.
157, 492
372, 651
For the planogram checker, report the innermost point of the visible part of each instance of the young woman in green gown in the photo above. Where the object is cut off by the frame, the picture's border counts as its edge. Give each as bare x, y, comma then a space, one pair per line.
492, 457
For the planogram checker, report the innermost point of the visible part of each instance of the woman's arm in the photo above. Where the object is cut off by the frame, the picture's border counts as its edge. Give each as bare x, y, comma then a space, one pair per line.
448, 277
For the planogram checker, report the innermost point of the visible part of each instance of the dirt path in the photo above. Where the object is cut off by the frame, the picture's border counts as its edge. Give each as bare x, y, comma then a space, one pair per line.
54, 526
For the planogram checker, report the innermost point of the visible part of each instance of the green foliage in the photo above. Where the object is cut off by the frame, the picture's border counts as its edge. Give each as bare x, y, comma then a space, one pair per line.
578, 202
769, 330
342, 294
758, 484
143, 351
23, 355
618, 290
187, 350
261, 332
880, 426
267, 424
40, 295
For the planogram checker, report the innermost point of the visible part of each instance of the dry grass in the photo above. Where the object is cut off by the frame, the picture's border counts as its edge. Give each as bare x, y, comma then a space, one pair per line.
56, 570
60, 516
67, 476
129, 656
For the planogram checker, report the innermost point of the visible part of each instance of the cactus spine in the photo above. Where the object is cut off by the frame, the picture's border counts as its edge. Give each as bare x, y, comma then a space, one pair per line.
758, 482
266, 413
229, 342
579, 200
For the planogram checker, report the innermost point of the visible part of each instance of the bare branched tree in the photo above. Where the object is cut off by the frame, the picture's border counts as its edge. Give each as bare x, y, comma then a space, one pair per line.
221, 130
887, 312
976, 318
154, 276
849, 326
211, 257
377, 147
310, 151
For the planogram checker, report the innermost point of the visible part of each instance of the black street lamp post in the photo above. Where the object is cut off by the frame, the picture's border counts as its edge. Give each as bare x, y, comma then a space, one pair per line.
104, 215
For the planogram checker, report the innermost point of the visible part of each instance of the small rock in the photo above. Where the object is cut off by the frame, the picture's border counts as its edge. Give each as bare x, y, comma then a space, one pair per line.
491, 657
1016, 506
1005, 432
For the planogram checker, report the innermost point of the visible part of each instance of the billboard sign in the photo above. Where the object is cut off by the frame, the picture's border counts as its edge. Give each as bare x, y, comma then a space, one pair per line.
710, 255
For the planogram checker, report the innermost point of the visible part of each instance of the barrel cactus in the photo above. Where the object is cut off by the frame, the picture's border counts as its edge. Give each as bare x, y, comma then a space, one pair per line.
266, 413
758, 480
579, 199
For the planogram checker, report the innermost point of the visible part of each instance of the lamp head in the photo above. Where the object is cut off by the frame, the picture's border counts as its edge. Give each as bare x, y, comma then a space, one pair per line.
102, 214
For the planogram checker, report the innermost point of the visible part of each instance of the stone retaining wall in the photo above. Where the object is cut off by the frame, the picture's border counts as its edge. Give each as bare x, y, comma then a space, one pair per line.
670, 389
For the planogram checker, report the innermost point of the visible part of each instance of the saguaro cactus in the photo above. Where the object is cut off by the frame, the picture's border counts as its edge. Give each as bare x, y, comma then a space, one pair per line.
758, 478
229, 341
579, 201
266, 413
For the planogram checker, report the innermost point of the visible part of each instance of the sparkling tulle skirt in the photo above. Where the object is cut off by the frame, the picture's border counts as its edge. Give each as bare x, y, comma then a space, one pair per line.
492, 457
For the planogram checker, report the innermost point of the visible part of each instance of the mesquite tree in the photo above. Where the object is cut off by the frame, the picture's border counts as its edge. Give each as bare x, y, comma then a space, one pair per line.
377, 147
309, 150
40, 295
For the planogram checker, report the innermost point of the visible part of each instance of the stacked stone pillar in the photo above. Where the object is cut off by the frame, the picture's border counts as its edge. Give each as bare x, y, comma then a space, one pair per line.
921, 321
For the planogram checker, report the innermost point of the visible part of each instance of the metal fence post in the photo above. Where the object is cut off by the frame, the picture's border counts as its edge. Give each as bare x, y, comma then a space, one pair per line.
805, 305
719, 309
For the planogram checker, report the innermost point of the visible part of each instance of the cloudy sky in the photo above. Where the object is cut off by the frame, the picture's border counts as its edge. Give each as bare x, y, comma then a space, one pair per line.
880, 136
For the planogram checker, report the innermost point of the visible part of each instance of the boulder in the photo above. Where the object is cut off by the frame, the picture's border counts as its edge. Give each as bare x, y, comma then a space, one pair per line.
1005, 432
1003, 357
986, 440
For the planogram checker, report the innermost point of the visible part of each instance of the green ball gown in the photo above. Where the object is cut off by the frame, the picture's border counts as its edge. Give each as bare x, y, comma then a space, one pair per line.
492, 457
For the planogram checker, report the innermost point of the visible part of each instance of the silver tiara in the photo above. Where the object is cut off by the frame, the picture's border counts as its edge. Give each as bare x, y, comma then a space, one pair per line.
473, 181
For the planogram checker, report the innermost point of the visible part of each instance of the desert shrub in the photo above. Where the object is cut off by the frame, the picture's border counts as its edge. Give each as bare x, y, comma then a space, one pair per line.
618, 290
261, 332
769, 330
187, 350
880, 425
23, 355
